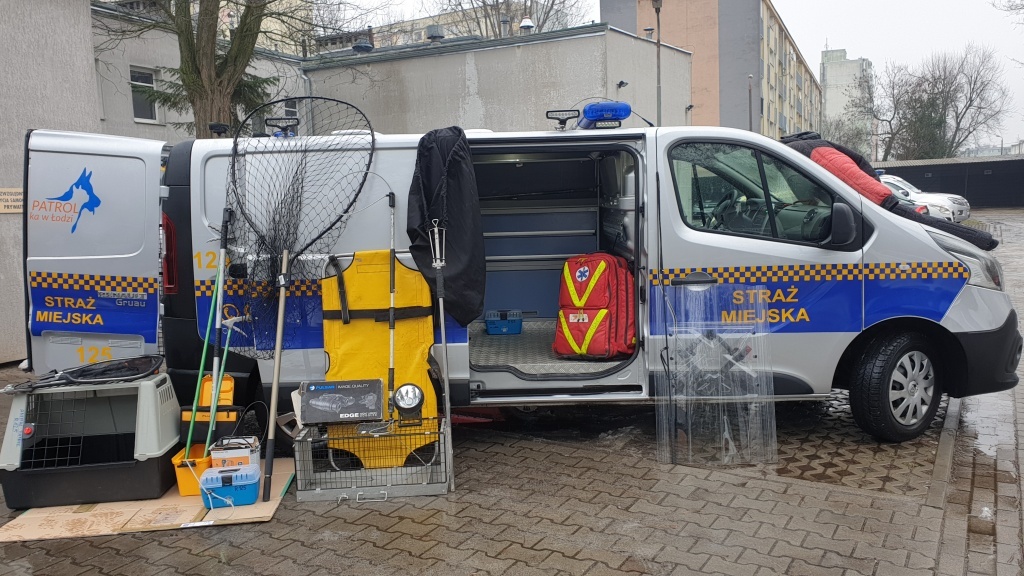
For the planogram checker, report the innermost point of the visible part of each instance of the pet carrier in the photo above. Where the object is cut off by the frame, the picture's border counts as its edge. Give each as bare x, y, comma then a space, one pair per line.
89, 443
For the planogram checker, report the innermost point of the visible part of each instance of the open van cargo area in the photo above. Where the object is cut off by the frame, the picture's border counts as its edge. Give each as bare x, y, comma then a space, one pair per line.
537, 210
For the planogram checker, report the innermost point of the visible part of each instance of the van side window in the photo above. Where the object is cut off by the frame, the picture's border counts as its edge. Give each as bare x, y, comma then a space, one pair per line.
721, 188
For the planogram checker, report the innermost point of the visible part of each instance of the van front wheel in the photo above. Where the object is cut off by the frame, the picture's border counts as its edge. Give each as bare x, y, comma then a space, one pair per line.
896, 387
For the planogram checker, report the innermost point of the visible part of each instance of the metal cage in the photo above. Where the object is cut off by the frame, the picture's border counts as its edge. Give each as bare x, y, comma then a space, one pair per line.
328, 465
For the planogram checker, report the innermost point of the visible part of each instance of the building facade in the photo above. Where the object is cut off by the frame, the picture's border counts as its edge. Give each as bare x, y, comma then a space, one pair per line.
842, 81
747, 71
504, 84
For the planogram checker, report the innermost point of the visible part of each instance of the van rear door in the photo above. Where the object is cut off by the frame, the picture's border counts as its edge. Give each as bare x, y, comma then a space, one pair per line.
92, 234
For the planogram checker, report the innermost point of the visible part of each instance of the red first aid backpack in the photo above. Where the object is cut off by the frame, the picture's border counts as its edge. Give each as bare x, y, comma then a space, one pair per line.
596, 316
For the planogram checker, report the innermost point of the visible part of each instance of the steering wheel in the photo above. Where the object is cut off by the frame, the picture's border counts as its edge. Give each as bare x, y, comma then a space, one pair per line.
718, 212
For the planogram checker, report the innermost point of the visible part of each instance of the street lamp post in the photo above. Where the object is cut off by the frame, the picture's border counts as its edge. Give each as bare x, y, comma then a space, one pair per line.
657, 17
750, 102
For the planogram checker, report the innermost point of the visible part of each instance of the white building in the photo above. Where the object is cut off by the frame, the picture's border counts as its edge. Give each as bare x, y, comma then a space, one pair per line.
842, 80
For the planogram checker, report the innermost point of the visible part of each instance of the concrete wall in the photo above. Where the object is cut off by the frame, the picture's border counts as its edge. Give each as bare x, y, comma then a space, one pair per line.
152, 51
501, 88
48, 82
840, 79
621, 15
693, 26
632, 59
739, 43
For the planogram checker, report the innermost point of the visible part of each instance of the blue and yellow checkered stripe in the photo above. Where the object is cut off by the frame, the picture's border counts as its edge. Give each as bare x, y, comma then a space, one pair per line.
93, 282
819, 272
241, 288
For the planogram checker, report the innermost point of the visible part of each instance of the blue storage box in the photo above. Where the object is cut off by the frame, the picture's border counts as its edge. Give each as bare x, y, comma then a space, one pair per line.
239, 486
504, 321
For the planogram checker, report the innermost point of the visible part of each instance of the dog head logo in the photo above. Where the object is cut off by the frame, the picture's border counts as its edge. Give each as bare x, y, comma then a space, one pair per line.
92, 201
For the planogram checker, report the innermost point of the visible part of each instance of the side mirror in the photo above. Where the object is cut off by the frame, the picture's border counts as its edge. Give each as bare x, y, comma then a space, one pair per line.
844, 225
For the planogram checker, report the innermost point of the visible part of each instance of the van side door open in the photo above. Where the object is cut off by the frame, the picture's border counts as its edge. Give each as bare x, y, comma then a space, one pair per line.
92, 262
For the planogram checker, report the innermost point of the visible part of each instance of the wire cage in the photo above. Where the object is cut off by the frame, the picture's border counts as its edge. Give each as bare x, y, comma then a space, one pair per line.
715, 388
371, 461
90, 443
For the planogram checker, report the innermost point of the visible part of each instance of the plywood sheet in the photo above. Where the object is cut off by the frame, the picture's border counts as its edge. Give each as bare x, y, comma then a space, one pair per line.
169, 512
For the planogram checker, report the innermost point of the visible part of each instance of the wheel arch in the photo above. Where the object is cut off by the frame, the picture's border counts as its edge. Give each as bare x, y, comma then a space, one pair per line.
953, 360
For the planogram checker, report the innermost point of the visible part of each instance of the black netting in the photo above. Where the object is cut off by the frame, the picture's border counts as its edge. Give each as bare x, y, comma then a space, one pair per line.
292, 185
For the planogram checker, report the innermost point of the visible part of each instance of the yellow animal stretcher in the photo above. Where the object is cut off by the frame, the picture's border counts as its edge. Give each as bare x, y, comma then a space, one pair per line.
356, 341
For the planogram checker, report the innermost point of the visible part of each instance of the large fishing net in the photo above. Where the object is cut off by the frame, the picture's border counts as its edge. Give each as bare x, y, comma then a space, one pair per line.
297, 168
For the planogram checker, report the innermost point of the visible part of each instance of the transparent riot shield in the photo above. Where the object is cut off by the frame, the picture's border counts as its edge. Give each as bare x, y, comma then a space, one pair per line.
714, 383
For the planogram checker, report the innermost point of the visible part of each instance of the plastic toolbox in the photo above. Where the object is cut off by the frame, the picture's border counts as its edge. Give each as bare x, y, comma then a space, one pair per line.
239, 486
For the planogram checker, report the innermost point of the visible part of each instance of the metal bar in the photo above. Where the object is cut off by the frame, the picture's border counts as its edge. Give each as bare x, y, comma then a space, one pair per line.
531, 234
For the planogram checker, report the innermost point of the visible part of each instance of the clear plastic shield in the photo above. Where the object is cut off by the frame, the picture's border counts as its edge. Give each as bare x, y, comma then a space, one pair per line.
714, 382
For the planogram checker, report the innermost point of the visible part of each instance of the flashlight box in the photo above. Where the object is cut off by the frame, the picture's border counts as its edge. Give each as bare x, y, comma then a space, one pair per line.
232, 451
341, 402
238, 486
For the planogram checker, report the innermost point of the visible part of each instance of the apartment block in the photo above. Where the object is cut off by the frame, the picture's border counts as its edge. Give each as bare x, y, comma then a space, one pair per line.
747, 70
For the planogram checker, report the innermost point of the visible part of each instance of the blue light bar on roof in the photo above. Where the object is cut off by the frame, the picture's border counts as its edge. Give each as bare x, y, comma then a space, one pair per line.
603, 111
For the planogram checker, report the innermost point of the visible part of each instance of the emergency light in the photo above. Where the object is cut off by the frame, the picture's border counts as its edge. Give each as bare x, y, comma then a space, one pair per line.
604, 115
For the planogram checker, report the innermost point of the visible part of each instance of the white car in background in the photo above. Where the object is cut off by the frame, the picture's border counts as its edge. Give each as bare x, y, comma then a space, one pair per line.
949, 206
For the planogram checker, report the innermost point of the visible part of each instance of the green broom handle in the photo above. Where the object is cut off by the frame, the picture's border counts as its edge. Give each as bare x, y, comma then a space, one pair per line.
202, 366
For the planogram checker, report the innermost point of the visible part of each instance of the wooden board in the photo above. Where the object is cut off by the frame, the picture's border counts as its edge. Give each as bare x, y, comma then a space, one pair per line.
169, 512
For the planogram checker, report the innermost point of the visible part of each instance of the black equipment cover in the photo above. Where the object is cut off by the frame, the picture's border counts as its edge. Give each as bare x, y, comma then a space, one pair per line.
444, 188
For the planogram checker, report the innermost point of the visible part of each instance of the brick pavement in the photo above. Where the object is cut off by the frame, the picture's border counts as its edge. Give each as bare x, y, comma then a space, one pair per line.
527, 504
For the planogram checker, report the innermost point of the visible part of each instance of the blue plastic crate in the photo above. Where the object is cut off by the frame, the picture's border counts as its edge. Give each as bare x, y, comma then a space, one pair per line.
239, 485
504, 321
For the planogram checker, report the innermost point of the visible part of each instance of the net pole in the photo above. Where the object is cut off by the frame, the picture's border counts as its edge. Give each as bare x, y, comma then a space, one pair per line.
278, 342
391, 311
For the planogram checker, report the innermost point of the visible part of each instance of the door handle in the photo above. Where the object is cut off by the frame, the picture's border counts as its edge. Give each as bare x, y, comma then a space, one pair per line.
694, 279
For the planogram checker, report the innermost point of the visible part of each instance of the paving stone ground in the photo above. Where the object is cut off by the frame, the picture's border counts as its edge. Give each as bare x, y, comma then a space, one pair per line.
594, 500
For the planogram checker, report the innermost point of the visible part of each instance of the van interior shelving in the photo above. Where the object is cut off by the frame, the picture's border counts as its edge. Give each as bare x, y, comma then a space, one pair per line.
537, 210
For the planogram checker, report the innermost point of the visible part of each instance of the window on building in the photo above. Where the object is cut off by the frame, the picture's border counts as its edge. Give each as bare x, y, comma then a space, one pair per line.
291, 108
144, 110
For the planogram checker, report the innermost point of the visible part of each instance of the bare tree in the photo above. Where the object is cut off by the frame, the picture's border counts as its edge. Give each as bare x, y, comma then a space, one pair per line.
217, 39
848, 130
934, 110
968, 90
484, 17
1014, 7
884, 97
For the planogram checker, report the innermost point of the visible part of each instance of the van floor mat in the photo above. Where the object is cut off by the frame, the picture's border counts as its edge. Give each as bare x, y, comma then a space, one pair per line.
529, 352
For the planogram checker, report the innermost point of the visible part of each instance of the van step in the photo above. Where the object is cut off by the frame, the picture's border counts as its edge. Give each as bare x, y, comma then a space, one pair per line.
528, 352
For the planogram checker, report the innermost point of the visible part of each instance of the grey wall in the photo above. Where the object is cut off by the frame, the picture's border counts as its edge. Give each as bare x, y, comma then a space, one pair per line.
620, 13
634, 60
48, 82
500, 89
151, 51
155, 50
739, 48
509, 88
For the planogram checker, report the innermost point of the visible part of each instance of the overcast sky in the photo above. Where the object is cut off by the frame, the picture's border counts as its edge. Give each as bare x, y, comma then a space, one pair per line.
904, 31
907, 31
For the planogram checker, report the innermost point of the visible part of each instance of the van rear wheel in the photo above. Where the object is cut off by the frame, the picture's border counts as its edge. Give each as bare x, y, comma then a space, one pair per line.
896, 387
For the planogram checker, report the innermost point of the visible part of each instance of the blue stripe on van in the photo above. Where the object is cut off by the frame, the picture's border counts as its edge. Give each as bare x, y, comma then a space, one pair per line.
94, 304
810, 298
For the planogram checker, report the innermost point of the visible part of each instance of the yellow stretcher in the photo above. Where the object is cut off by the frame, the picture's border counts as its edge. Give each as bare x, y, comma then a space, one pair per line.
359, 350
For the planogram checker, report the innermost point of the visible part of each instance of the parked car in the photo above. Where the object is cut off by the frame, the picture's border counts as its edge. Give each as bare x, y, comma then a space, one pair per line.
949, 206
